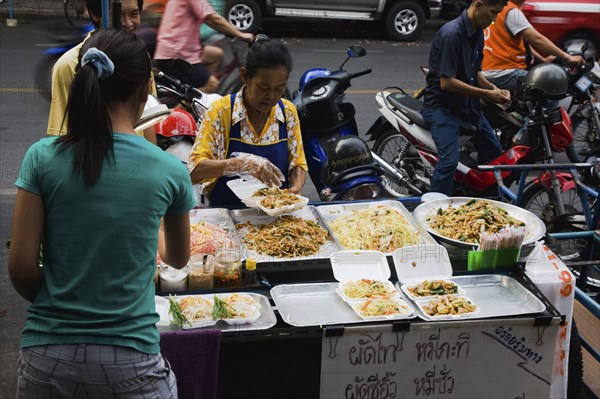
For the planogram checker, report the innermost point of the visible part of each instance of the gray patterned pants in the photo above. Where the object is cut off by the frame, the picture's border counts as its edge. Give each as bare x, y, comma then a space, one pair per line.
93, 371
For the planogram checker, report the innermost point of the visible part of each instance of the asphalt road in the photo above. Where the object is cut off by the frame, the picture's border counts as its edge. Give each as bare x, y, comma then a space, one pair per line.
23, 116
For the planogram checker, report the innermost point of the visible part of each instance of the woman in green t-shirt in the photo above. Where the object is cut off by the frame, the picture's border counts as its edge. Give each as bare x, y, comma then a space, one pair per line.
95, 198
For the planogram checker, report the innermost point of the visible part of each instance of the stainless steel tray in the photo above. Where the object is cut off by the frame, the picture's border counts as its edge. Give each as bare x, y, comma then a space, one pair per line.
495, 295
266, 320
218, 217
535, 227
256, 217
329, 213
316, 304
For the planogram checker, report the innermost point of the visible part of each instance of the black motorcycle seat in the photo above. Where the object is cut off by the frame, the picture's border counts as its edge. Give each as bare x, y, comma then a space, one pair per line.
410, 107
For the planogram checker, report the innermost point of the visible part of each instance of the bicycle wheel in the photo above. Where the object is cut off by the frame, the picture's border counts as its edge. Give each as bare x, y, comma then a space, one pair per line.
74, 10
542, 202
586, 136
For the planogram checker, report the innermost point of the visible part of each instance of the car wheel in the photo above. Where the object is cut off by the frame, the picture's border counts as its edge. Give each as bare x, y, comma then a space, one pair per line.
244, 15
405, 21
575, 41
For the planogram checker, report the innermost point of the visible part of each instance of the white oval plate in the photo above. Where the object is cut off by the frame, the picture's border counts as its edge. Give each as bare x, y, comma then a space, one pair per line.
535, 227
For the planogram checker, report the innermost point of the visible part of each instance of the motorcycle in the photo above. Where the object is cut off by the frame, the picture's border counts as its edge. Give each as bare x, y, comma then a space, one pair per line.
402, 139
177, 133
584, 110
65, 39
581, 104
340, 163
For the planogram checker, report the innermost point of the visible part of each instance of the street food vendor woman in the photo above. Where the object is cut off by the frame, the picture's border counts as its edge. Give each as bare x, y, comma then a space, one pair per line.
253, 132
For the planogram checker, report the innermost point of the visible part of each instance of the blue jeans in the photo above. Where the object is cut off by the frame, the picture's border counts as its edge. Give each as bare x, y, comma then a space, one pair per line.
508, 81
445, 131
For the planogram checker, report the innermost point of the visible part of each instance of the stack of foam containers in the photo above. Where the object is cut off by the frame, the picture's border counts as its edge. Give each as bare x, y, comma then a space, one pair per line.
557, 283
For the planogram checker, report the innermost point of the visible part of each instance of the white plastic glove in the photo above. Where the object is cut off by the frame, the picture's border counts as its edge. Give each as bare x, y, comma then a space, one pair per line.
244, 165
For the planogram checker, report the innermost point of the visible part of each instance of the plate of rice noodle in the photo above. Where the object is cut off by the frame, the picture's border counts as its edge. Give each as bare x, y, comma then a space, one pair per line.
377, 228
286, 237
206, 238
196, 311
275, 201
382, 308
461, 220
364, 288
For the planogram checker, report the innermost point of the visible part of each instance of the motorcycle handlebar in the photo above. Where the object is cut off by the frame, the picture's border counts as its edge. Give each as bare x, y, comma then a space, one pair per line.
170, 80
360, 73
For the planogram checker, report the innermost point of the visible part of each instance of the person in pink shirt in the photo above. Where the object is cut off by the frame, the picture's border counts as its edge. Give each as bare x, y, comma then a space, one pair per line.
178, 38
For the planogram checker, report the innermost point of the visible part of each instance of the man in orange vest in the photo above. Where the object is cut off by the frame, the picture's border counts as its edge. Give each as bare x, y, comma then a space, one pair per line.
504, 50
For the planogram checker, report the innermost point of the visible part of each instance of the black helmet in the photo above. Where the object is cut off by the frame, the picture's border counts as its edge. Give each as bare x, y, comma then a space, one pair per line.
347, 152
549, 81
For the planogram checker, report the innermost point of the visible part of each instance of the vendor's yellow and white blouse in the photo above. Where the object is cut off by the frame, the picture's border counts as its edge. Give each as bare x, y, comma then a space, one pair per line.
213, 137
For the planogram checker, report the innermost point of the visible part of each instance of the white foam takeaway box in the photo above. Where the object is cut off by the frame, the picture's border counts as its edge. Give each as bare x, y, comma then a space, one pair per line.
417, 263
244, 188
357, 265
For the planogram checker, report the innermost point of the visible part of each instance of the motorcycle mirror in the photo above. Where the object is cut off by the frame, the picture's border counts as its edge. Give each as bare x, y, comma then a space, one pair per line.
585, 47
354, 52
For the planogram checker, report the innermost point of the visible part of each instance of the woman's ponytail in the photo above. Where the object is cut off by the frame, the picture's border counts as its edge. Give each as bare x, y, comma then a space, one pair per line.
114, 64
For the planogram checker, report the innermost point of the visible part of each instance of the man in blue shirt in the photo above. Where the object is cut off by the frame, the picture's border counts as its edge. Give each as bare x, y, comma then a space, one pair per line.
455, 86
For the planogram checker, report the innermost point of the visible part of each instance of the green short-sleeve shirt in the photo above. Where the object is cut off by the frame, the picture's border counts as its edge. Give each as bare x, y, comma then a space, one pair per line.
100, 243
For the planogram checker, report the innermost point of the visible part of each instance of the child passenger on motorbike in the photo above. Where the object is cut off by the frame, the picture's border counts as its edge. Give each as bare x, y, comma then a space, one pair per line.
252, 132
504, 52
93, 197
455, 86
64, 69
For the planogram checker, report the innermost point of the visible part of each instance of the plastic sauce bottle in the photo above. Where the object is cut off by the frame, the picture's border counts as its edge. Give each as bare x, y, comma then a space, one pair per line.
250, 278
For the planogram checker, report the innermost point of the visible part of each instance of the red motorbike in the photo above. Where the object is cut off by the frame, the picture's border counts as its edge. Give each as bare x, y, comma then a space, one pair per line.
530, 135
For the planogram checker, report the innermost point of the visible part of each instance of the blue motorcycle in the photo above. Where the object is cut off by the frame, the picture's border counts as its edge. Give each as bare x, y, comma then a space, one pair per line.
340, 163
65, 39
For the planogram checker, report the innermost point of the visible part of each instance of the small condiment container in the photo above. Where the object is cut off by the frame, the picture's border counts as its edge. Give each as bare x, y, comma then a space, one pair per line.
251, 278
171, 279
228, 266
201, 272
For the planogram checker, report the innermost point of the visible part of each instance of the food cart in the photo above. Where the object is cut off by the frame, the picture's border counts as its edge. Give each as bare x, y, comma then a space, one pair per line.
309, 342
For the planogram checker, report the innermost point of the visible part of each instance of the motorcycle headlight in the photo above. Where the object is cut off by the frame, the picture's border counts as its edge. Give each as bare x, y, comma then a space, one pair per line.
363, 192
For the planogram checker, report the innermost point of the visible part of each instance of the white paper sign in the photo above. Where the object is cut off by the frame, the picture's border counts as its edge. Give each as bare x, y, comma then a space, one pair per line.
509, 359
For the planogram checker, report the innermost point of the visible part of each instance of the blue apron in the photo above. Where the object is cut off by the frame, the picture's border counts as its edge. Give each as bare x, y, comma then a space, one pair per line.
221, 195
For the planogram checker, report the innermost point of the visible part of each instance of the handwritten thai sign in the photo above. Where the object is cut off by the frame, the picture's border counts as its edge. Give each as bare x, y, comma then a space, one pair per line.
509, 358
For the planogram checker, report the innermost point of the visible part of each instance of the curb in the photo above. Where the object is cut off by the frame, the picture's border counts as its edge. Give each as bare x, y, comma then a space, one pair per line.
32, 10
